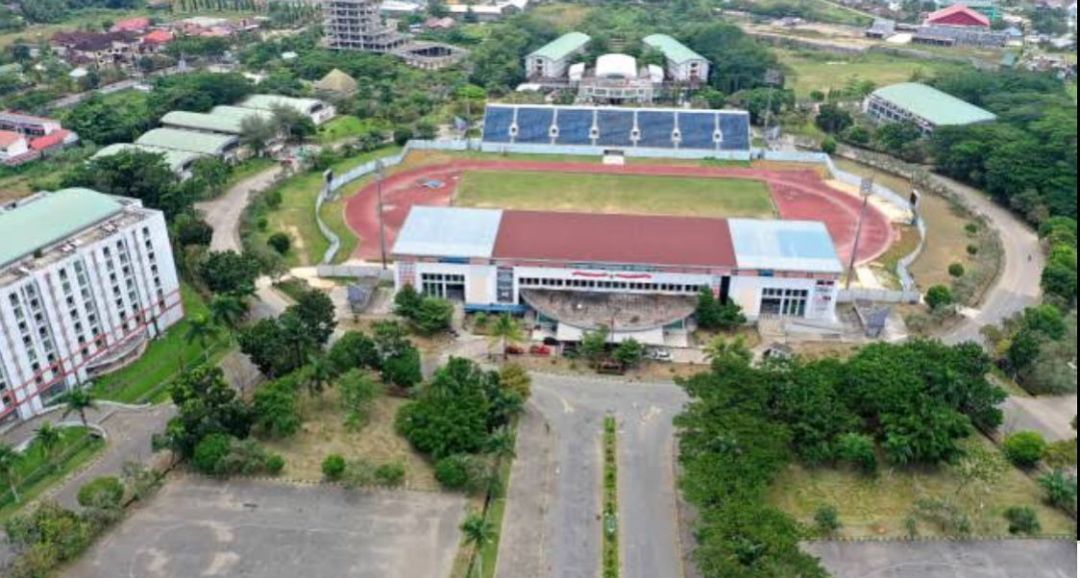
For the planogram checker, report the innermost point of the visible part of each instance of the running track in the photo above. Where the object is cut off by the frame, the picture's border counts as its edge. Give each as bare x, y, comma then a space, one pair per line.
798, 194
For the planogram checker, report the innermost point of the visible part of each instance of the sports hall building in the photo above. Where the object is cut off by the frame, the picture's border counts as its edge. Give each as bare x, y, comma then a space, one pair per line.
640, 275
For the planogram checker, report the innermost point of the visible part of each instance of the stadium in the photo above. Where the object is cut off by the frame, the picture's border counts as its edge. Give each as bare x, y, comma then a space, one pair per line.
576, 244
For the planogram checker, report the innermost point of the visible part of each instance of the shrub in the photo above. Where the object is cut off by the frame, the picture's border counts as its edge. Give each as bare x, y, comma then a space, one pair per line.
461, 472
279, 242
273, 198
391, 474
1022, 520
828, 145
333, 467
274, 464
103, 492
262, 223
938, 296
1060, 490
480, 320
210, 451
245, 457
857, 449
956, 270
827, 520
1025, 448
971, 228
359, 472
972, 250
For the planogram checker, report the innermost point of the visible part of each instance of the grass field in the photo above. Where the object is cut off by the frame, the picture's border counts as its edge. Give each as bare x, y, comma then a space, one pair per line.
808, 71
878, 506
640, 194
34, 473
346, 126
562, 14
324, 433
162, 360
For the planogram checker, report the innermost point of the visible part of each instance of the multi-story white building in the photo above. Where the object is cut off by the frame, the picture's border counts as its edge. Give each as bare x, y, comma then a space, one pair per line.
86, 279
637, 275
552, 59
682, 64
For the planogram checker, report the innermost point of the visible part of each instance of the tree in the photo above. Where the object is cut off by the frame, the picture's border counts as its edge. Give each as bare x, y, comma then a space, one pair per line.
857, 449
403, 369
407, 302
353, 350
9, 465
594, 344
477, 533
434, 315
201, 329
48, 437
358, 395
256, 133
206, 405
721, 349
78, 401
189, 229
827, 520
505, 330
451, 414
317, 374
293, 124
315, 311
279, 242
833, 119
132, 173
1024, 448
333, 467
711, 313
1060, 489
938, 296
513, 377
227, 310
629, 352
229, 272
274, 408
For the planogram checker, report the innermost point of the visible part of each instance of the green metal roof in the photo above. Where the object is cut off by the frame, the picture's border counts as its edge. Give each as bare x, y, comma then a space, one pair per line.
186, 140
240, 113
933, 105
562, 46
672, 49
174, 158
202, 121
51, 218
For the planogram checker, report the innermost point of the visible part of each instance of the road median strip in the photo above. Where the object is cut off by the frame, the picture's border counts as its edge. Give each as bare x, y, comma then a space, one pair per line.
611, 501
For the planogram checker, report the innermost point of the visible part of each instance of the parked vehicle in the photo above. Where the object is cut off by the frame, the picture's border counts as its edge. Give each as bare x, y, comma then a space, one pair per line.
514, 350
661, 355
551, 341
610, 367
541, 350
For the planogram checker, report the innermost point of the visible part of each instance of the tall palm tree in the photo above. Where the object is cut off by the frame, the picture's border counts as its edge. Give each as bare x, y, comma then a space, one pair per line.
49, 437
504, 331
78, 401
478, 532
9, 461
227, 310
201, 329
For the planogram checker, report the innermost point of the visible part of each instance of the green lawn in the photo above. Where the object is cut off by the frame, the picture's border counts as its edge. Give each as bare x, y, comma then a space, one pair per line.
163, 359
347, 126
636, 194
35, 474
809, 70
812, 10
296, 215
878, 506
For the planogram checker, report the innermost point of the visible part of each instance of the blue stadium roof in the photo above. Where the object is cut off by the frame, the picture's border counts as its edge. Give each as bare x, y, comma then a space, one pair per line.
784, 246
448, 232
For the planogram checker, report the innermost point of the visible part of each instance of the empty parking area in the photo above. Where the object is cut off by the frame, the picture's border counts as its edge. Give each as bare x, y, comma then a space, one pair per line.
197, 527
948, 559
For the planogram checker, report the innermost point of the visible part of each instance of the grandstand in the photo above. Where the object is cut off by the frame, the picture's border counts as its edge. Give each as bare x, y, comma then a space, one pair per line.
699, 133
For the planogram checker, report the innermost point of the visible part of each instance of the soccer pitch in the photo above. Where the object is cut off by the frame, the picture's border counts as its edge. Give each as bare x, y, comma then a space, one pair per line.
608, 193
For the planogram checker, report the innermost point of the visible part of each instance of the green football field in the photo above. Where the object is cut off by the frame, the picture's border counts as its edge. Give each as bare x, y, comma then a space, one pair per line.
604, 193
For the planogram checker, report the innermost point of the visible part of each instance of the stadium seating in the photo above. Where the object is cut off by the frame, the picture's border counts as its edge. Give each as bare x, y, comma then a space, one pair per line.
618, 127
534, 125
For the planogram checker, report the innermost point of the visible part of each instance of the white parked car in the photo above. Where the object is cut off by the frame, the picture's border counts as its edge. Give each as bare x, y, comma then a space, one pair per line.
662, 355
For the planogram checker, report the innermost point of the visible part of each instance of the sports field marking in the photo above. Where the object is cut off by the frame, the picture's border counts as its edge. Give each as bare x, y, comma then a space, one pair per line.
613, 193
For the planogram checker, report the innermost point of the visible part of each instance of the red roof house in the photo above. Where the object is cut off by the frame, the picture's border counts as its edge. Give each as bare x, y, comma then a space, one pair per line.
958, 15
157, 37
53, 139
137, 24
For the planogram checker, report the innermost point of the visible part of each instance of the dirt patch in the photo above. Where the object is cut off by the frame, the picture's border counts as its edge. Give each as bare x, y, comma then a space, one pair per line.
324, 432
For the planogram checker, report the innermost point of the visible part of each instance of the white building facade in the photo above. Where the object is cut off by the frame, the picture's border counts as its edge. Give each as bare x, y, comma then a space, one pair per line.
86, 282
551, 263
551, 60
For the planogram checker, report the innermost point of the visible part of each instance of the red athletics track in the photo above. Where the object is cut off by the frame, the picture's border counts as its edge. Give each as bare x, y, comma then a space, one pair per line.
798, 194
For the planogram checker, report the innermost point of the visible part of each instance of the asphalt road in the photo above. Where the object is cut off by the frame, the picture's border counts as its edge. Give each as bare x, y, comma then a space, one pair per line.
223, 213
199, 527
552, 526
948, 559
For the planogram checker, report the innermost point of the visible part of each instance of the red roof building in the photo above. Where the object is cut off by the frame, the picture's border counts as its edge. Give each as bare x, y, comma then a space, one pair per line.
137, 24
53, 139
957, 15
601, 238
157, 37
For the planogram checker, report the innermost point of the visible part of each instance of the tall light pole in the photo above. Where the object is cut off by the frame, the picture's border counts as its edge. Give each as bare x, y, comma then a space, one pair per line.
772, 79
866, 188
382, 221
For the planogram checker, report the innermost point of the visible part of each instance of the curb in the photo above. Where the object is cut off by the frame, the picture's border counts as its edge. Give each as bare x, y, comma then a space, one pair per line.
973, 538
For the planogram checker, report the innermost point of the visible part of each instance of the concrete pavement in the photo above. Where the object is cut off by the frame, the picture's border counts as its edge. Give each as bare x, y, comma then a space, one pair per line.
223, 213
552, 527
948, 559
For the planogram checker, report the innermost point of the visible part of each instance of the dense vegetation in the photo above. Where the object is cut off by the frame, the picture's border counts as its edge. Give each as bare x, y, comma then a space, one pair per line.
911, 403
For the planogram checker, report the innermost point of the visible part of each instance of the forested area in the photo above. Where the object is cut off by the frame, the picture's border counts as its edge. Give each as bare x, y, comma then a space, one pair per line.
910, 405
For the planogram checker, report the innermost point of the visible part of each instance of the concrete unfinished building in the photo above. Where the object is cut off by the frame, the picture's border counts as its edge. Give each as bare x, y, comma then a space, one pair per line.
357, 25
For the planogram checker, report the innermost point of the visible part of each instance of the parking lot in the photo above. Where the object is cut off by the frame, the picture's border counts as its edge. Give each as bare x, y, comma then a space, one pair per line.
947, 559
197, 527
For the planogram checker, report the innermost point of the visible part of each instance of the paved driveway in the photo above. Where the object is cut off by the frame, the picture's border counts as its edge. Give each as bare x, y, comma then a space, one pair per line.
946, 559
196, 527
552, 526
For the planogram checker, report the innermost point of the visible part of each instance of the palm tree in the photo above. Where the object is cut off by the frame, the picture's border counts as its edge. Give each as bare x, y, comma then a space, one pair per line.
720, 348
78, 401
478, 533
504, 331
49, 437
201, 329
9, 461
318, 374
227, 310
501, 444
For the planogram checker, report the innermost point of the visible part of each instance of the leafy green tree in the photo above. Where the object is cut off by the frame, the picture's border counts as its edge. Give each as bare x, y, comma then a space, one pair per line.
78, 401
358, 395
407, 302
832, 118
629, 353
274, 408
9, 466
403, 369
353, 350
938, 296
201, 329
279, 242
229, 272
857, 449
594, 344
434, 315
315, 311
295, 125
317, 374
513, 377
721, 349
256, 133
227, 311
451, 414
206, 405
478, 532
135, 173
